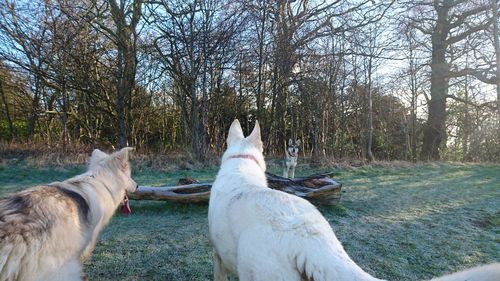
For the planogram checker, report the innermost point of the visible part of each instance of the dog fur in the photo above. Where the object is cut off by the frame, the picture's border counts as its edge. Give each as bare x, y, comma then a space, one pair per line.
490, 272
291, 156
47, 231
263, 234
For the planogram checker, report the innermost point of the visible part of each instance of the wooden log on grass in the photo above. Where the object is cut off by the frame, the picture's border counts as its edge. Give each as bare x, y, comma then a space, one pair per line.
190, 193
319, 189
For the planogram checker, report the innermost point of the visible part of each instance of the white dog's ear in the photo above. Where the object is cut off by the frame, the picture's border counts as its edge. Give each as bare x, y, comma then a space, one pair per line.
290, 141
235, 133
298, 142
96, 157
255, 137
120, 158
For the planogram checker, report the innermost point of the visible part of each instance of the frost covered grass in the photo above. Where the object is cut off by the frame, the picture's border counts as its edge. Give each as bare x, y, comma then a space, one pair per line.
408, 222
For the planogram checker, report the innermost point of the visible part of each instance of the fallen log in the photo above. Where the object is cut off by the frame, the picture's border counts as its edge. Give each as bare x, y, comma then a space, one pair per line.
319, 189
190, 193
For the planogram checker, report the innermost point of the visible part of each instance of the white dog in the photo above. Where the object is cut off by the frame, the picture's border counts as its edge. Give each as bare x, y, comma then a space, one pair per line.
261, 234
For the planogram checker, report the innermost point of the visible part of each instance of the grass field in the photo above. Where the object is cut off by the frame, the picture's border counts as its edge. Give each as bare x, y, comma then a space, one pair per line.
397, 223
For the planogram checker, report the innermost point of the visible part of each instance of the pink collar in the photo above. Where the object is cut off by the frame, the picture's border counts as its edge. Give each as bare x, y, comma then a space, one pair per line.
245, 156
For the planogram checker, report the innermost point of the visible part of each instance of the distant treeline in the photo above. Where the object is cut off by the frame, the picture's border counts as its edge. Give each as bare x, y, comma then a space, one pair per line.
365, 79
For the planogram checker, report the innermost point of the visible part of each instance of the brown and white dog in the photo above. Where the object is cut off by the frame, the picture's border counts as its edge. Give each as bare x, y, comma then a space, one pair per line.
291, 157
47, 231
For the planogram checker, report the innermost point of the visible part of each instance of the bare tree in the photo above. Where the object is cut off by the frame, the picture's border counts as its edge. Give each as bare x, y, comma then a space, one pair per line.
453, 24
171, 74
414, 56
24, 37
186, 41
297, 25
122, 31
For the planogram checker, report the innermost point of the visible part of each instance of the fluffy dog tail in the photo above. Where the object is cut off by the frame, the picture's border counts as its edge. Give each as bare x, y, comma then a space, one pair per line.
327, 260
330, 262
490, 272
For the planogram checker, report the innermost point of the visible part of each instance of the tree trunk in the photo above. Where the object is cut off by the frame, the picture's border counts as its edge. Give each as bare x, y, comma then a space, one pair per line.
196, 121
369, 140
414, 93
466, 126
259, 97
125, 39
406, 136
316, 146
343, 117
65, 117
496, 42
435, 129
203, 146
7, 112
61, 77
120, 101
271, 131
332, 89
33, 113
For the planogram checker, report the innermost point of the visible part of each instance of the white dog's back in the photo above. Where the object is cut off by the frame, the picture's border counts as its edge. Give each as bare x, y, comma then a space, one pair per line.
280, 237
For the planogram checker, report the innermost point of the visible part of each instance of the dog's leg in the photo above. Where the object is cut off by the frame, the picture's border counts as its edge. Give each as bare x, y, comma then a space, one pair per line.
88, 250
285, 172
292, 172
220, 272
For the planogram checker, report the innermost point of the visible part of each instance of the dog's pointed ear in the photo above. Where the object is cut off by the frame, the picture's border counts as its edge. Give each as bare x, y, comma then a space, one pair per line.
96, 157
235, 133
255, 137
120, 158
298, 142
290, 141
